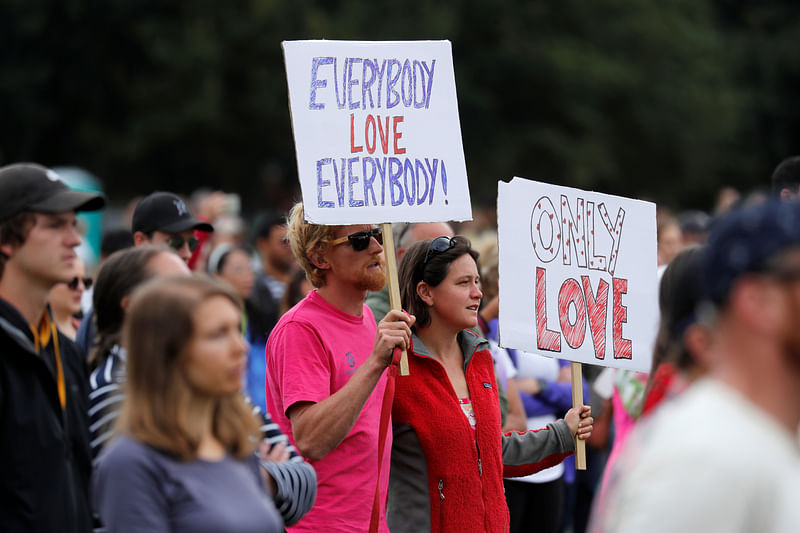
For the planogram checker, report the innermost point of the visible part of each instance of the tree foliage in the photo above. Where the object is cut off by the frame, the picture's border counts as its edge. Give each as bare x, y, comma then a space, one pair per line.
664, 100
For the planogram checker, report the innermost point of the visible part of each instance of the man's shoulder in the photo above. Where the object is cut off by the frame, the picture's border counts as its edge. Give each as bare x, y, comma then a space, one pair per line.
14, 331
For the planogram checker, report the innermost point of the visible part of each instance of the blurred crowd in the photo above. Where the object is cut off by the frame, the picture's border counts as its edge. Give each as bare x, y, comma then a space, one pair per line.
216, 372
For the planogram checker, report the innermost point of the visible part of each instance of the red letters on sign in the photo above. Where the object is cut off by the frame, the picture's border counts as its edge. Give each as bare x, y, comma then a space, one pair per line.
596, 309
353, 148
588, 305
546, 339
622, 347
571, 294
397, 136
375, 128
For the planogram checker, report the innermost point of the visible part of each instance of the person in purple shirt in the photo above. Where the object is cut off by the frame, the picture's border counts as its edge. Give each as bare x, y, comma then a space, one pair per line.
184, 459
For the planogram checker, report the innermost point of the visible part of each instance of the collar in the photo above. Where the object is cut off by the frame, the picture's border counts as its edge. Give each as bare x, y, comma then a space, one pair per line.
13, 323
469, 341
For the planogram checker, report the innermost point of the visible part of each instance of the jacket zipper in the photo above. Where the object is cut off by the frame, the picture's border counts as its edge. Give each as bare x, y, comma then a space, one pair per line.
441, 491
480, 465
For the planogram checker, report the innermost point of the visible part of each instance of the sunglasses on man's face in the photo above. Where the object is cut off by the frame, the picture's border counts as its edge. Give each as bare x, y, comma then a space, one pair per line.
74, 282
360, 240
176, 243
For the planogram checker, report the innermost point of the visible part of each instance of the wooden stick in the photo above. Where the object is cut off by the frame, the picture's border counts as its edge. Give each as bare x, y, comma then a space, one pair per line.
577, 400
394, 286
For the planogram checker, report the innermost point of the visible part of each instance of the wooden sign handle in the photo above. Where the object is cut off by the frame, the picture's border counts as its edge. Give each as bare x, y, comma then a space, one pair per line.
391, 279
577, 400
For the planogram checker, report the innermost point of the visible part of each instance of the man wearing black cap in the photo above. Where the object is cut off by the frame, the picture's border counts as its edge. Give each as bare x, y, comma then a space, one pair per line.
44, 438
724, 456
163, 219
160, 219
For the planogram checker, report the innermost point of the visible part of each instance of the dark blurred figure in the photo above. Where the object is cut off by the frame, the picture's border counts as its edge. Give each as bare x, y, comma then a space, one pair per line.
668, 233
786, 179
694, 226
277, 261
296, 290
681, 340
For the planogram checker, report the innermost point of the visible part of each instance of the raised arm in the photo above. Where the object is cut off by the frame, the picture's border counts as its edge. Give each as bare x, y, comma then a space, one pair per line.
319, 427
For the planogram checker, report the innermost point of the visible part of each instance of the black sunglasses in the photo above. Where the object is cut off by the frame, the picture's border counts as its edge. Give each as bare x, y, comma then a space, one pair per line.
73, 283
360, 240
176, 243
437, 246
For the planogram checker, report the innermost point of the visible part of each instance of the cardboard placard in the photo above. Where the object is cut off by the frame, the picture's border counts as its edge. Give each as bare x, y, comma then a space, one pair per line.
377, 131
578, 274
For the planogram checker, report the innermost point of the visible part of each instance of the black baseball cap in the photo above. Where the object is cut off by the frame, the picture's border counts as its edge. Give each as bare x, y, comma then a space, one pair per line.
167, 212
744, 242
32, 187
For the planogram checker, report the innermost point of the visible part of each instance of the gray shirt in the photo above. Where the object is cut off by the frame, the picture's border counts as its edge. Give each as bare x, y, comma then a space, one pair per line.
138, 488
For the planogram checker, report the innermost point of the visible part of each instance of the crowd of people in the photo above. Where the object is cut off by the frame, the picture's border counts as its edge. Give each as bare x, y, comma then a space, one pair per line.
204, 377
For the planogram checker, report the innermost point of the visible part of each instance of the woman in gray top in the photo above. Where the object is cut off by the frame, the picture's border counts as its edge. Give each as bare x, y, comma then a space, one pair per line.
184, 460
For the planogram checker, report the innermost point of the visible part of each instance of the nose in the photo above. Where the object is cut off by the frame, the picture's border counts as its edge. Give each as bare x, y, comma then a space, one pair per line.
373, 240
476, 291
184, 252
241, 345
73, 237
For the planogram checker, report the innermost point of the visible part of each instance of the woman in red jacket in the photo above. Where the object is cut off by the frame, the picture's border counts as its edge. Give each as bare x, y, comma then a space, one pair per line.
449, 453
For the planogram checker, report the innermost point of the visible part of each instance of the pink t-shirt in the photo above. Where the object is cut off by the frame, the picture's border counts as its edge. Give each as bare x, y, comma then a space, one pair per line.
311, 353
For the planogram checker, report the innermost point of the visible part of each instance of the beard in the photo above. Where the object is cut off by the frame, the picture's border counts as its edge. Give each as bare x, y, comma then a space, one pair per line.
373, 280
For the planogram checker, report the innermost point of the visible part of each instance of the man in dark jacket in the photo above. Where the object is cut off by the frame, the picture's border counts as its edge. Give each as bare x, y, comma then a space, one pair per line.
44, 435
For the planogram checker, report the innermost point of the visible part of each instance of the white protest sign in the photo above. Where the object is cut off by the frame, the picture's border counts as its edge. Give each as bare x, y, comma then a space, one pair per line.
578, 274
377, 132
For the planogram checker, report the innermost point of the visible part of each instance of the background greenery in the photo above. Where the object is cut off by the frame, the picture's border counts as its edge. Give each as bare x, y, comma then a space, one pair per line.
662, 100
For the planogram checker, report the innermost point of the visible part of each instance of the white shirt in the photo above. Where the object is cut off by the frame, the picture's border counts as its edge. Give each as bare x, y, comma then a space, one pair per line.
707, 461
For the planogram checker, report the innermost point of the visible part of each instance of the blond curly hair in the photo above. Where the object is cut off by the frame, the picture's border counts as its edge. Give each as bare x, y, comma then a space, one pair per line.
307, 240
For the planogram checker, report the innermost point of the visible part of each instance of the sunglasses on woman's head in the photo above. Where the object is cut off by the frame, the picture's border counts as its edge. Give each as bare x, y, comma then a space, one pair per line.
439, 245
73, 283
360, 240
176, 243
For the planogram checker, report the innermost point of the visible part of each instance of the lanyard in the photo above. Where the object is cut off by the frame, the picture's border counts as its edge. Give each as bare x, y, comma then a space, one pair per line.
47, 331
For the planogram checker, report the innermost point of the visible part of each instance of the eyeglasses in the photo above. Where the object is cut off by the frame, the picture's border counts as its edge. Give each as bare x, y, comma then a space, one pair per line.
360, 240
73, 284
176, 243
437, 246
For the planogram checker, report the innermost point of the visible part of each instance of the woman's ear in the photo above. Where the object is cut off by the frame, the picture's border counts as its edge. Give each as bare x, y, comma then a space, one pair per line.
425, 293
124, 302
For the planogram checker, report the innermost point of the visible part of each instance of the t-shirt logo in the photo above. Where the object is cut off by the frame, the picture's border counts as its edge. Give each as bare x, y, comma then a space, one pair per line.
351, 362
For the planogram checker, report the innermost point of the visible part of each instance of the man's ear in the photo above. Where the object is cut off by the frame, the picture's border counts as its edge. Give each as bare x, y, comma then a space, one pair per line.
140, 238
7, 249
758, 303
424, 292
319, 260
787, 195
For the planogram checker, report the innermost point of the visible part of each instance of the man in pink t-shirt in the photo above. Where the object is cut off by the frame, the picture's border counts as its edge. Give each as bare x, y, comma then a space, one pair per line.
326, 362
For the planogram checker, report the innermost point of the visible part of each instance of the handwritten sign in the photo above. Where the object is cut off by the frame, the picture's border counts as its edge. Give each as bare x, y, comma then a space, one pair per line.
377, 132
577, 274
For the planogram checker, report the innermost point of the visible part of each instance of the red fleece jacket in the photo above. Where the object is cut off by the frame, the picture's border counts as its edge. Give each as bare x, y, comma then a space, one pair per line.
464, 473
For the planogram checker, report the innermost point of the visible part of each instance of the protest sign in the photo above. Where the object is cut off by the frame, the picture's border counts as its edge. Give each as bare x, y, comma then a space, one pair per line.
377, 131
578, 276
